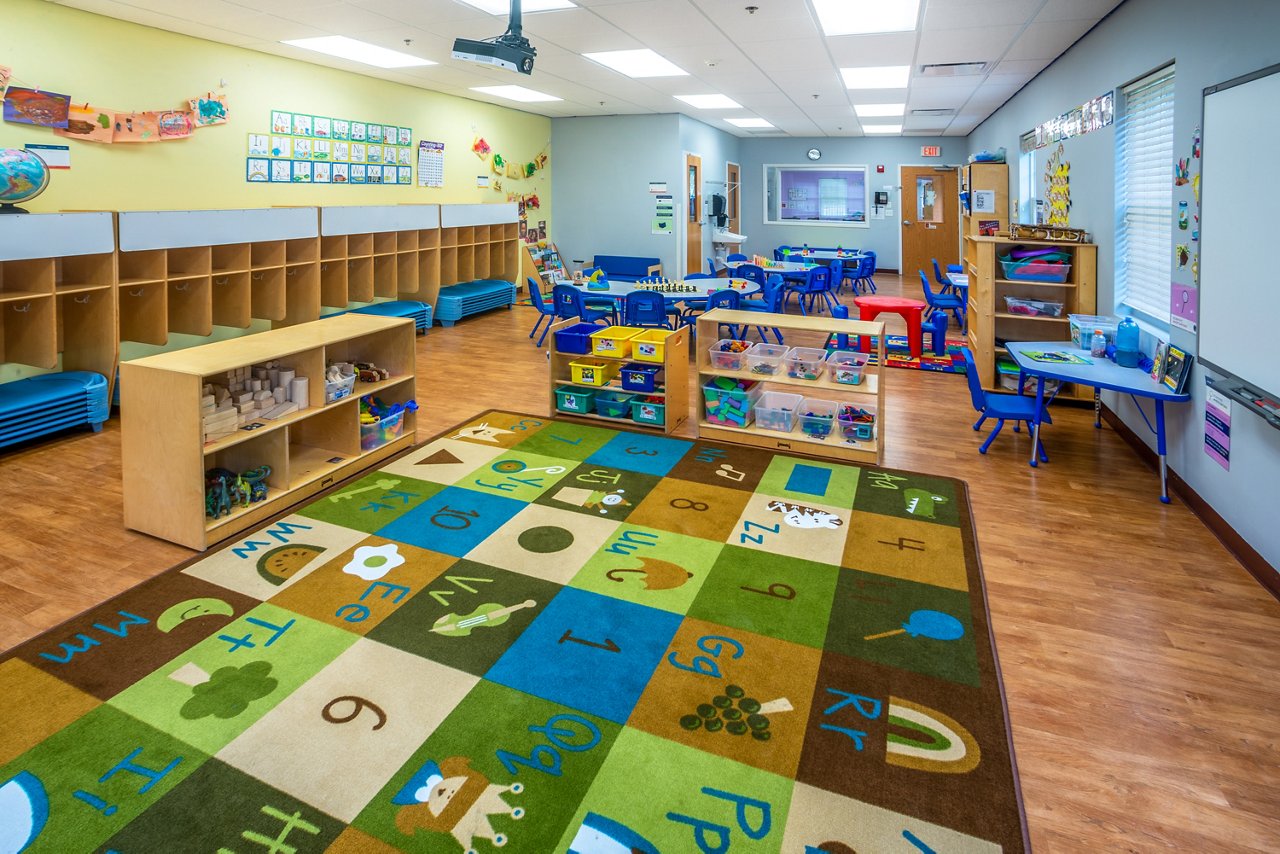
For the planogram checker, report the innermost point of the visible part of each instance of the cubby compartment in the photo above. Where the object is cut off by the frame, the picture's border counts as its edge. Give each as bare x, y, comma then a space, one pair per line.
333, 283
144, 315
86, 330
268, 254
384, 275
83, 272
359, 245
448, 237
360, 280
449, 266
406, 273
466, 264
407, 241
266, 294
429, 238
231, 258
387, 352
480, 268
333, 247
20, 280
301, 294
190, 306
144, 266
189, 262
480, 234
429, 276
300, 250
270, 449
466, 235
384, 243
28, 332
232, 300
323, 443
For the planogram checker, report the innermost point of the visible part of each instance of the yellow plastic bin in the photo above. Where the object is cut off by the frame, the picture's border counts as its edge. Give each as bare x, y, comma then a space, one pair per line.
593, 372
650, 345
613, 341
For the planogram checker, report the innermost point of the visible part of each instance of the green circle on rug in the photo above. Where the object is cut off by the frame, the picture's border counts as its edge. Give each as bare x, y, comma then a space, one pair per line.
546, 539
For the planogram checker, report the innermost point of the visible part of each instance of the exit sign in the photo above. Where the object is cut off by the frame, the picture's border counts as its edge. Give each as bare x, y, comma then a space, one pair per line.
931, 151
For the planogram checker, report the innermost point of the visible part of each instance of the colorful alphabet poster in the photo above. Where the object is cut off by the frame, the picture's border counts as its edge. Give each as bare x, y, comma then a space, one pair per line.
382, 151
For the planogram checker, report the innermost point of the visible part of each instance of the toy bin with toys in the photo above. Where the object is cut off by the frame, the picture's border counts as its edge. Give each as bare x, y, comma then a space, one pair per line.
576, 339
845, 366
730, 402
776, 410
638, 377
817, 417
729, 354
804, 363
576, 400
613, 404
594, 372
381, 423
648, 410
613, 341
856, 421
339, 380
650, 345
766, 359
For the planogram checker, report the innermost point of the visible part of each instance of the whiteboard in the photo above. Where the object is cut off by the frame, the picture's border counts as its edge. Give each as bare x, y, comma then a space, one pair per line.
1239, 287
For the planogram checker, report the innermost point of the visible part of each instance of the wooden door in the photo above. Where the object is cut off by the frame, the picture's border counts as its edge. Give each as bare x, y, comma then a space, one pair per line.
693, 233
930, 222
732, 181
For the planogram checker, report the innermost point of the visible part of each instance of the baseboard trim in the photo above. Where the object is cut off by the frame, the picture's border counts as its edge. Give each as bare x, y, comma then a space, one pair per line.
1249, 558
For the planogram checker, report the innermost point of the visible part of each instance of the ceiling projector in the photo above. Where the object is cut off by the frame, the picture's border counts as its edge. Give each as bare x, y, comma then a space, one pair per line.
511, 50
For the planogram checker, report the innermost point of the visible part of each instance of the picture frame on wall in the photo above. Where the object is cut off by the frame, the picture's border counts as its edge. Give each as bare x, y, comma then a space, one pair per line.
373, 174
341, 129
404, 174
389, 174
322, 127
359, 131
404, 156
341, 152
259, 145
257, 170
281, 122
340, 174
373, 154
321, 149
301, 124
302, 148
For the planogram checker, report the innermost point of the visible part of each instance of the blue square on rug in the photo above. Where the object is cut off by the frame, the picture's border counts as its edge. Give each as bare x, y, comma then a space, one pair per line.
453, 521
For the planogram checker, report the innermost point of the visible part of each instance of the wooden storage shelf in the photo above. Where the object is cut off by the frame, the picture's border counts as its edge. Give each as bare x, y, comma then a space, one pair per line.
267, 254
870, 391
232, 300
675, 380
233, 258
160, 403
990, 178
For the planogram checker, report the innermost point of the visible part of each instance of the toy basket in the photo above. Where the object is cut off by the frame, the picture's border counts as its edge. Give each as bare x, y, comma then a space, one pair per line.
1035, 269
340, 389
613, 341
648, 411
638, 377
845, 366
380, 433
1033, 307
766, 359
804, 363
776, 410
817, 417
725, 358
857, 422
594, 372
613, 404
571, 399
731, 403
576, 338
650, 345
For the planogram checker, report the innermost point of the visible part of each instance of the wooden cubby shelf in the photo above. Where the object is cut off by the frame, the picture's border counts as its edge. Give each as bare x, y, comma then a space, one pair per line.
307, 450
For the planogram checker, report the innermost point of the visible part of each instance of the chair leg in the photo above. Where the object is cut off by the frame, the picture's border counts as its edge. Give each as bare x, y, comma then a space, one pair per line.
1044, 458
980, 422
777, 334
534, 330
1017, 427
992, 437
545, 330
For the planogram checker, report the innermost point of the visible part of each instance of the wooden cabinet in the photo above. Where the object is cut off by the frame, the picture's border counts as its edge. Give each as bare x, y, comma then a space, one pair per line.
164, 462
58, 292
989, 318
870, 392
479, 242
673, 385
370, 253
990, 178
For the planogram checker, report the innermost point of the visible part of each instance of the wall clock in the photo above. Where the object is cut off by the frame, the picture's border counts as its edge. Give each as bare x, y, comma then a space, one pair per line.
814, 154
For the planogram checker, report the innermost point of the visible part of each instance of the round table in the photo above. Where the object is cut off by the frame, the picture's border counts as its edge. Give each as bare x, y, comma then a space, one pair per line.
617, 291
869, 307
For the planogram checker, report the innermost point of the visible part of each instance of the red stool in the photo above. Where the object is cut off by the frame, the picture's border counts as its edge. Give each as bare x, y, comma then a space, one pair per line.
870, 307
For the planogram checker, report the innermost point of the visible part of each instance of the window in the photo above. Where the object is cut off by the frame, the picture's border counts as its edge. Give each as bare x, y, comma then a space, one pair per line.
1144, 196
1027, 183
816, 195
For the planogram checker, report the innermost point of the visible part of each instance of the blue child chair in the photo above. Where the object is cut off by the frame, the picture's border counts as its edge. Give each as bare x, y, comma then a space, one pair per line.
736, 258
645, 308
1018, 408
569, 303
546, 310
942, 302
817, 283
726, 298
945, 285
772, 294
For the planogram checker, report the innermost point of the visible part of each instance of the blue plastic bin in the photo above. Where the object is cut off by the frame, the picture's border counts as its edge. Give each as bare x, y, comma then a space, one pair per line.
638, 377
576, 338
613, 404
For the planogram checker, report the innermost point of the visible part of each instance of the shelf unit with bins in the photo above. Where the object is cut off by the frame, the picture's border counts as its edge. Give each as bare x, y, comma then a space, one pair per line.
58, 291
993, 178
308, 450
185, 271
675, 380
989, 319
834, 446
377, 252
479, 242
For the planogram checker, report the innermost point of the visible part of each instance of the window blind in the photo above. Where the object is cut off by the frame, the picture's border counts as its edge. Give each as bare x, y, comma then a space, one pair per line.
1144, 195
833, 194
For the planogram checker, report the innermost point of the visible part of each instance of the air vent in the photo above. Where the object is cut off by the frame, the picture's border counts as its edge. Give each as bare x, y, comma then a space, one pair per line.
953, 69
941, 111
765, 131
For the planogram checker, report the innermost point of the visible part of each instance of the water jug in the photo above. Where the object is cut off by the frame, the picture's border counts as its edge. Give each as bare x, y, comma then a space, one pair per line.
1127, 353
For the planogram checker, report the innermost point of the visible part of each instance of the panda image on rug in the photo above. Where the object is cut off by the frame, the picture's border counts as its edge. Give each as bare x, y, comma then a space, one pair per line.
451, 797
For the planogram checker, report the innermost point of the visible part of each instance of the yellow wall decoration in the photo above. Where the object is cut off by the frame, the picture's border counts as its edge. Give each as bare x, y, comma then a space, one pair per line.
1057, 177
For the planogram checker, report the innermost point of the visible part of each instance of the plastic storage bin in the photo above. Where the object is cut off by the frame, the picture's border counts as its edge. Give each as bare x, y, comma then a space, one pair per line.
340, 389
1030, 270
729, 355
1033, 307
387, 430
845, 366
776, 410
614, 404
731, 403
650, 345
595, 372
1082, 326
572, 399
638, 377
613, 341
648, 410
857, 422
576, 338
804, 363
766, 359
817, 417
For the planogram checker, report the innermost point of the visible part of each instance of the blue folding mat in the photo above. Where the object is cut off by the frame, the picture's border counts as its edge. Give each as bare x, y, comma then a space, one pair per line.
419, 311
458, 301
36, 406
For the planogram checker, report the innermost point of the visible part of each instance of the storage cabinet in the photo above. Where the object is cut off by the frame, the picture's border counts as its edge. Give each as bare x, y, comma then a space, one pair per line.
990, 321
990, 178
378, 252
869, 394
307, 450
479, 242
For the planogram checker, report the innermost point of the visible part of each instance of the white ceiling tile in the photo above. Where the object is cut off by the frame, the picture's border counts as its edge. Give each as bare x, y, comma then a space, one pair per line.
880, 49
1026, 68
984, 44
1047, 41
1076, 10
979, 13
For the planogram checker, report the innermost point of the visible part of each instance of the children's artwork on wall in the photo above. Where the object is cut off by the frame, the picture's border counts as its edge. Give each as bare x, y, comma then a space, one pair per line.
301, 149
341, 151
135, 127
406, 136
320, 173
373, 154
1183, 251
404, 156
259, 145
404, 174
480, 147
87, 123
1182, 172
358, 173
359, 132
34, 107
320, 149
282, 146
5, 73
281, 171
358, 152
301, 125
322, 127
341, 173
1183, 222
1057, 176
514, 170
373, 133
499, 165
373, 174
302, 171
341, 129
176, 124
281, 122
209, 110
389, 174
257, 170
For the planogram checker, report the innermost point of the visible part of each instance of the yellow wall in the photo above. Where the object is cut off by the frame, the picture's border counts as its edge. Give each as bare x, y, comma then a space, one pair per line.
123, 66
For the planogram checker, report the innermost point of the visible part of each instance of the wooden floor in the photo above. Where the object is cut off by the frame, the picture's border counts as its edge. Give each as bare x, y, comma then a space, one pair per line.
1139, 657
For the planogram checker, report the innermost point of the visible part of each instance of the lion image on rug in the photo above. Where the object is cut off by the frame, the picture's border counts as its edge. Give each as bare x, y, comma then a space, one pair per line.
452, 797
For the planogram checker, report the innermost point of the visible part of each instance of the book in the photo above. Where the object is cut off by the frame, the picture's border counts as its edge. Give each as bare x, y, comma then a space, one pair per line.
1060, 357
1177, 369
1157, 361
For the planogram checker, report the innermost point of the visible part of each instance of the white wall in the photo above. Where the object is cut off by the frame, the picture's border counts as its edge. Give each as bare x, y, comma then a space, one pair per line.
1211, 43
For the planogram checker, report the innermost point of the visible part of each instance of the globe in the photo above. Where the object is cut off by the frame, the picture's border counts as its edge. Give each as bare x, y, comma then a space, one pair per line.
23, 176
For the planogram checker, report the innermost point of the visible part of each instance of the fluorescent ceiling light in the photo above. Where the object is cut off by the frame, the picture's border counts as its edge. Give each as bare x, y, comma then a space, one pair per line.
358, 51
710, 102
515, 93
855, 17
873, 110
876, 77
636, 63
749, 123
882, 128
503, 7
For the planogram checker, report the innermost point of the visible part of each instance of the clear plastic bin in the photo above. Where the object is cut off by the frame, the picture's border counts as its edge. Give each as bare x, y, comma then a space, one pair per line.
817, 417
1033, 307
845, 366
777, 410
857, 422
724, 358
766, 359
1035, 271
804, 363
731, 403
1082, 326
381, 432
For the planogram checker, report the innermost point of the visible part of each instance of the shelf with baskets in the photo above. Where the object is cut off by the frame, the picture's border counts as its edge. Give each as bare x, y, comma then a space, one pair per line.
792, 400
619, 374
307, 449
1025, 299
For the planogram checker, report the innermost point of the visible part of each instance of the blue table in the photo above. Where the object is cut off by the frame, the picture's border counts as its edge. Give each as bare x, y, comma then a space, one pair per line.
618, 291
1099, 373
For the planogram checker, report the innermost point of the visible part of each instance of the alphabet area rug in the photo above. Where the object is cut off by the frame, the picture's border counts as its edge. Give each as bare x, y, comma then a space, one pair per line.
537, 635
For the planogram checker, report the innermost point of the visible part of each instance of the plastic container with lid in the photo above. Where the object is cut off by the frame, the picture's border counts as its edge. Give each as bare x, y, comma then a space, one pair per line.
1127, 353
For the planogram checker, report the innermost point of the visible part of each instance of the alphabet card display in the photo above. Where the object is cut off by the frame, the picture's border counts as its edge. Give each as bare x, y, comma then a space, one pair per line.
359, 152
535, 636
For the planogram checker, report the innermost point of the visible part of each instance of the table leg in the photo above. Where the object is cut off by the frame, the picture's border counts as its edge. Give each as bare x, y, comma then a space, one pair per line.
1097, 408
1035, 432
1160, 448
915, 335
864, 341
